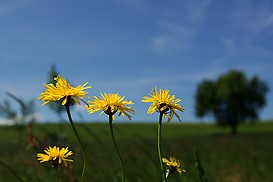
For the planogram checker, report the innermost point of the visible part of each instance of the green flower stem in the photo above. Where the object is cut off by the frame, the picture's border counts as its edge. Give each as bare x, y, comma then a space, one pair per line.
114, 141
57, 174
79, 140
159, 146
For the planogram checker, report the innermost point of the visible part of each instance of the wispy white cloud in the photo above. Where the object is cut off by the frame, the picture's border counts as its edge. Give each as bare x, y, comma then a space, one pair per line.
4, 8
268, 22
229, 43
223, 64
252, 16
10, 6
178, 27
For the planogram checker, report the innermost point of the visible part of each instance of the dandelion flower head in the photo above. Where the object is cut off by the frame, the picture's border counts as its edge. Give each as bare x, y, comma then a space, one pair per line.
110, 104
55, 155
174, 165
63, 91
162, 101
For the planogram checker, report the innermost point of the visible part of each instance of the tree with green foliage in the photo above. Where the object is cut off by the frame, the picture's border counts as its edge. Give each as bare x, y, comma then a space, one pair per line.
231, 99
25, 115
19, 118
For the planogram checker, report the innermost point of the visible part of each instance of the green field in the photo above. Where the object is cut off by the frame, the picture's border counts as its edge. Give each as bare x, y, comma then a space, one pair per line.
246, 157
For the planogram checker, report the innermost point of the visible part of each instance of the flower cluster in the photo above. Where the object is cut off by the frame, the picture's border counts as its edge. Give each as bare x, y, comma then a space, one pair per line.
108, 103
161, 100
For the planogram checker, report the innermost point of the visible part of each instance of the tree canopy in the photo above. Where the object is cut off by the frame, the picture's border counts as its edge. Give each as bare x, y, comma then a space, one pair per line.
231, 99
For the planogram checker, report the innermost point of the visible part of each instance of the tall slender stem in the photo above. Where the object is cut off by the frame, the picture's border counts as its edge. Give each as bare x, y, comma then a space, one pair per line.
57, 174
159, 146
114, 141
79, 140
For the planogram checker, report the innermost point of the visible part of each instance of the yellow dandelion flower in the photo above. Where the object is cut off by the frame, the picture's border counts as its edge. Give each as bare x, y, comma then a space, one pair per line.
162, 101
174, 165
110, 104
63, 91
55, 155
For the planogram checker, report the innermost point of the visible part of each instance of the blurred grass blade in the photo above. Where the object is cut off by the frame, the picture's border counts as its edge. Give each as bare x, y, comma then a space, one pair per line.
11, 171
200, 169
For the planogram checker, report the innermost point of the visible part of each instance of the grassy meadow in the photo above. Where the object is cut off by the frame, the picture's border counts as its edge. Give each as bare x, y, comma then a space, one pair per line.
246, 157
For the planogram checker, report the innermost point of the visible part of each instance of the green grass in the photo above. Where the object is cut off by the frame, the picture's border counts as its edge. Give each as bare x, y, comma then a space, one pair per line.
245, 157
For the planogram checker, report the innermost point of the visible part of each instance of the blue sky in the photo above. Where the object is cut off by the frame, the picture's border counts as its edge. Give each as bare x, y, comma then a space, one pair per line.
130, 46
